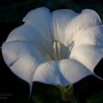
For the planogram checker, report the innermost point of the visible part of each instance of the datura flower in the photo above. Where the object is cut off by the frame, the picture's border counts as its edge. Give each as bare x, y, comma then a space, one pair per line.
57, 48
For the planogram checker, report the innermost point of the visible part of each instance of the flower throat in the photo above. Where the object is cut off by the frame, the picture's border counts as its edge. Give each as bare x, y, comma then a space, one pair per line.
57, 53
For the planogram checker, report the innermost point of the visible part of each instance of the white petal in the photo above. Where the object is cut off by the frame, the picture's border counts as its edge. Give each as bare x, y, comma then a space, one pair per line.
35, 29
23, 58
88, 47
88, 55
85, 20
90, 36
64, 72
49, 73
59, 23
73, 71
67, 25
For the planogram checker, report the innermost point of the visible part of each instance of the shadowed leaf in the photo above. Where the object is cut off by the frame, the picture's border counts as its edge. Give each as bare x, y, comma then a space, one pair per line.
14, 12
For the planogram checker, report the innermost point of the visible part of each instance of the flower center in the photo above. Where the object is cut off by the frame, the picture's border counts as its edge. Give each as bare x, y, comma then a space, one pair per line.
56, 47
60, 51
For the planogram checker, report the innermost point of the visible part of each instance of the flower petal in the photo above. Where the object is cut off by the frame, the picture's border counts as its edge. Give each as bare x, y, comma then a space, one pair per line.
49, 73
85, 20
73, 71
88, 47
59, 23
64, 72
88, 55
23, 58
67, 25
35, 29
91, 36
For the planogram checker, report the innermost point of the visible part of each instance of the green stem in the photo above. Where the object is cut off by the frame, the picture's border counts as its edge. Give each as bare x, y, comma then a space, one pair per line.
70, 86
67, 93
65, 96
73, 97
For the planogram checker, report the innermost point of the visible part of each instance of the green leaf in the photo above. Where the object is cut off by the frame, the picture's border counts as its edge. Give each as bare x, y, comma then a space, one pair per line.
14, 12
89, 90
43, 93
53, 4
91, 4
75, 7
96, 98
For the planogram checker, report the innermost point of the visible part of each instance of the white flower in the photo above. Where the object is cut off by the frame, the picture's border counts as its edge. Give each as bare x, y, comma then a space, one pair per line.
58, 48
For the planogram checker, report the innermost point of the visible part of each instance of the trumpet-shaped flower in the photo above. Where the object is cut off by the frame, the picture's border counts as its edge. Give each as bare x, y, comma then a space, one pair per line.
58, 48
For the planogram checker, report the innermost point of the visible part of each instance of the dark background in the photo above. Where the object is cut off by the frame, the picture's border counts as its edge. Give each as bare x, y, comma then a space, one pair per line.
88, 90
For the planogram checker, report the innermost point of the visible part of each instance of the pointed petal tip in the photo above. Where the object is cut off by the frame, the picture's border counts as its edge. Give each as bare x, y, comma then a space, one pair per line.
33, 12
92, 12
98, 70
